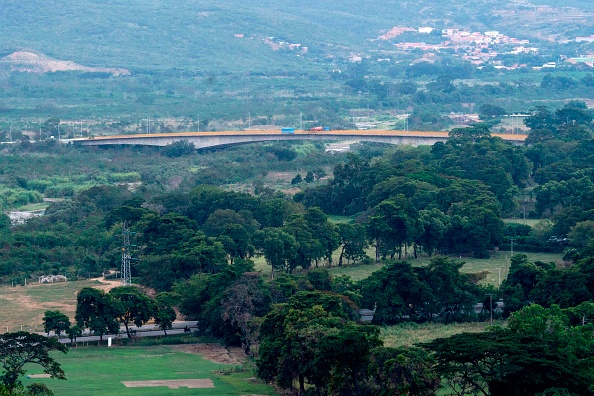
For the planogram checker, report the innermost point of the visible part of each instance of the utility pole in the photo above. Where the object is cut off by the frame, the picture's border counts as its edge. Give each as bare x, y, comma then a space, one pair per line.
512, 240
198, 122
10, 133
491, 306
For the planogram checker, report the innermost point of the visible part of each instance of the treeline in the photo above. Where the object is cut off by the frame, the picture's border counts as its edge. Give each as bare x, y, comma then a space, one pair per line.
445, 199
102, 313
310, 343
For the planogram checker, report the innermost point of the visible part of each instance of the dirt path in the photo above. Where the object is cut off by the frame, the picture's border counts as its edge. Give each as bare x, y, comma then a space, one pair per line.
106, 284
214, 352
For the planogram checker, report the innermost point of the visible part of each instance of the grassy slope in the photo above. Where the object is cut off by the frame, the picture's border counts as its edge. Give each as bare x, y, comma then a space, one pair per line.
140, 34
26, 305
99, 371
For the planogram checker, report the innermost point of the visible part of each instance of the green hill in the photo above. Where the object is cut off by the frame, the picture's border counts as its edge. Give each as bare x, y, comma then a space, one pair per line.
201, 36
227, 59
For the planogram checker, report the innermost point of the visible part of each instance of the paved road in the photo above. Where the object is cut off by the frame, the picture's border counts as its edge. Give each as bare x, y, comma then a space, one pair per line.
143, 331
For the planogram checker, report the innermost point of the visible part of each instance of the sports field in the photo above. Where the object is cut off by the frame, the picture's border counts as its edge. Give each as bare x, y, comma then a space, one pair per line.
102, 371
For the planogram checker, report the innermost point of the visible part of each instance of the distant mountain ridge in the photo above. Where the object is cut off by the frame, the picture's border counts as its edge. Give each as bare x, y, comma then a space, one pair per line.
35, 62
210, 37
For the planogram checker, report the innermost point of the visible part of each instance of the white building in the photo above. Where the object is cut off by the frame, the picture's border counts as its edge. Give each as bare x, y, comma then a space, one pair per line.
426, 29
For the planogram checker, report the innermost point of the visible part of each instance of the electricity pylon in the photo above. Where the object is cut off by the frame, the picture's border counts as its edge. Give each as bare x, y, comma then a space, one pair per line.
126, 257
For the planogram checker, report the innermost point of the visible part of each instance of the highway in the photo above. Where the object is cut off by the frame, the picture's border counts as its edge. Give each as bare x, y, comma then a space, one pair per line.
332, 133
202, 140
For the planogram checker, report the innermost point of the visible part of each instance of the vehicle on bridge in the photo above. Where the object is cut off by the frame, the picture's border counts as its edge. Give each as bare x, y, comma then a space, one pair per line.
287, 130
319, 129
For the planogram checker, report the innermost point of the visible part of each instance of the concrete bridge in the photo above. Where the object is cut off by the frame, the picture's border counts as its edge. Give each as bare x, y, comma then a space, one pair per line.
202, 140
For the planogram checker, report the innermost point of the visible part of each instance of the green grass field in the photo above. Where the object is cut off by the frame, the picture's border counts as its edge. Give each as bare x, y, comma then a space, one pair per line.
411, 333
340, 219
530, 222
33, 207
496, 265
100, 371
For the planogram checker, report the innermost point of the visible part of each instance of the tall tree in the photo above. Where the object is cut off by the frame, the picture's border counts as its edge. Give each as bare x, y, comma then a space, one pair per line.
97, 311
353, 240
134, 306
165, 314
309, 248
20, 349
278, 248
397, 293
324, 231
403, 372
56, 321
537, 353
302, 342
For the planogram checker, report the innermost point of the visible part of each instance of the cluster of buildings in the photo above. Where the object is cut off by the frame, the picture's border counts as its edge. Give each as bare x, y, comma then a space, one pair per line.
277, 44
478, 48
475, 47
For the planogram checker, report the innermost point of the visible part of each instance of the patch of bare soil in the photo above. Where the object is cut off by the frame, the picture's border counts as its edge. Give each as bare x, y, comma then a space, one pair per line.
214, 352
106, 284
25, 303
171, 384
284, 176
34, 62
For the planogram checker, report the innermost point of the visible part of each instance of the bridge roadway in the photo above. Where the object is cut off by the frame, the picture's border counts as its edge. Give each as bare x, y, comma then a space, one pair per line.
202, 140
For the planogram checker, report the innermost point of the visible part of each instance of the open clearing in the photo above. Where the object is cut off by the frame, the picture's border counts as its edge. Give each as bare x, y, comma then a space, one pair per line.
497, 266
25, 306
409, 334
155, 371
